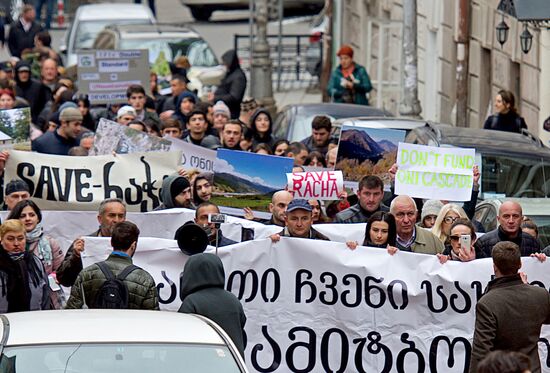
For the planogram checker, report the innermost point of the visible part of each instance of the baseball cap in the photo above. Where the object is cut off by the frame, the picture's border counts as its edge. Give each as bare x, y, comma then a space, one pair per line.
16, 185
126, 110
297, 204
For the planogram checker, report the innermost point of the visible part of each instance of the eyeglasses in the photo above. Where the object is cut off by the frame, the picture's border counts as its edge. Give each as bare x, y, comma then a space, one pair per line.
450, 219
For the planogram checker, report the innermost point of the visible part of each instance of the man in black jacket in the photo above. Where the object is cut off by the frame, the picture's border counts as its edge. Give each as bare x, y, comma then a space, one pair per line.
214, 232
510, 216
232, 87
36, 93
23, 31
370, 194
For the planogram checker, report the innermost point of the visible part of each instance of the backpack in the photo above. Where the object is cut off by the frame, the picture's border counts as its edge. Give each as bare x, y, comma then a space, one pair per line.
113, 293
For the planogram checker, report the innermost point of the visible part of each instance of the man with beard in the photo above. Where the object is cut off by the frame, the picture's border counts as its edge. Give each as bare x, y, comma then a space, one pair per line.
111, 212
176, 192
320, 139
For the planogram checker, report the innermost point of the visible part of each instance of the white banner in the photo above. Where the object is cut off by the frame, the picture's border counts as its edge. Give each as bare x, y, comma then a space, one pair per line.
318, 305
320, 185
194, 156
80, 183
434, 173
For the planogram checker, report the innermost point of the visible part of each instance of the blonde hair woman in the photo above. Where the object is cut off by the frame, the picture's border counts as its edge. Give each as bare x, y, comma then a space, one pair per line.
447, 216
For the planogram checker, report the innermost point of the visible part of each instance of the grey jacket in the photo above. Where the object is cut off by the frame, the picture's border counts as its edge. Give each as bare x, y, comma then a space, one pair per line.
356, 214
208, 141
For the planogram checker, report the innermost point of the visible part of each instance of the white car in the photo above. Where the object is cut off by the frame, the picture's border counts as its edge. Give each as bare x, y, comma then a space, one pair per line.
90, 19
115, 341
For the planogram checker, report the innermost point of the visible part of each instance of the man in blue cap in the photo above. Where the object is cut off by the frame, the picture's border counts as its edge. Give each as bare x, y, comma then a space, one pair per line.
298, 222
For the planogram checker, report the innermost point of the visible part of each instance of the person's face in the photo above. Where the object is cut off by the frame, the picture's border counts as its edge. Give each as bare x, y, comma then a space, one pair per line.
14, 241
29, 218
500, 105
15, 197
83, 109
202, 217
320, 137
280, 149
24, 76
405, 217
203, 189
262, 123
72, 129
429, 221
300, 158
219, 121
137, 101
262, 151
231, 135
184, 198
245, 144
316, 163
172, 132
278, 207
370, 199
510, 217
197, 124
331, 159
316, 212
6, 102
448, 220
379, 232
87, 143
49, 70
455, 234
345, 61
187, 106
299, 222
177, 87
29, 15
114, 213
125, 119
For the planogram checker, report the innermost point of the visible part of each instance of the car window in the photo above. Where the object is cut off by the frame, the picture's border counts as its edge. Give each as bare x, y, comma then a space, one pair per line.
197, 50
281, 125
543, 225
119, 358
487, 216
87, 31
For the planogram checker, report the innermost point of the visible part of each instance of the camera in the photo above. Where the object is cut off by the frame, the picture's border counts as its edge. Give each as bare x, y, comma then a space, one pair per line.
217, 218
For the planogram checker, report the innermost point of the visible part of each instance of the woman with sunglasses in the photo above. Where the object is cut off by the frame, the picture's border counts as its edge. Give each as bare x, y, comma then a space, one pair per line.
455, 251
380, 232
448, 214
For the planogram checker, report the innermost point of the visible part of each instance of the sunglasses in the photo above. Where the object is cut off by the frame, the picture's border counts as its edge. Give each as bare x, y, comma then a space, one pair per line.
450, 219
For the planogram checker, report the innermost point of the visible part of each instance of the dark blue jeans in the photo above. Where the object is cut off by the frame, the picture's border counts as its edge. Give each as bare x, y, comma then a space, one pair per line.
49, 10
151, 5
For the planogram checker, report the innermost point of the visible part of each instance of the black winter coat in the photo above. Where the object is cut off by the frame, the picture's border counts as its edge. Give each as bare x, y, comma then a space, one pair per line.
232, 87
509, 122
36, 93
19, 39
527, 244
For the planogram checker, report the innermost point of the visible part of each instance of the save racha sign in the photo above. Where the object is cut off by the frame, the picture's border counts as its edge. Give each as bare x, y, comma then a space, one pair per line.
316, 185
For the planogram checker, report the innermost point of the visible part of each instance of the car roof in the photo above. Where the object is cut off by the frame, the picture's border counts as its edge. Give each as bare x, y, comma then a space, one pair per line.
156, 30
111, 326
337, 110
94, 12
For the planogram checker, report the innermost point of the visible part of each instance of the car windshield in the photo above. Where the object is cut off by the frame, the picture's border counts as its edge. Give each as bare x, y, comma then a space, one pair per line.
301, 127
88, 30
197, 50
119, 358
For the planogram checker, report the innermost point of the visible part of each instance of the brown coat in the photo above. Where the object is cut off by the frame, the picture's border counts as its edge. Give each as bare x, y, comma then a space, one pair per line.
509, 316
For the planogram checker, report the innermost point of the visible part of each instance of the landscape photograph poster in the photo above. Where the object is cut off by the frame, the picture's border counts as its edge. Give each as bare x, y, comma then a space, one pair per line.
244, 179
16, 123
367, 151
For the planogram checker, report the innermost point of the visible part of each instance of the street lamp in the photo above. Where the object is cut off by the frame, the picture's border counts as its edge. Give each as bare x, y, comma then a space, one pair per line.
526, 39
502, 32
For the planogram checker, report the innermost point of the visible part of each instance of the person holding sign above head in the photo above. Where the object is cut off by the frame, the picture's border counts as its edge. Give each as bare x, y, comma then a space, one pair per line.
202, 187
298, 222
66, 136
409, 237
370, 194
111, 212
380, 232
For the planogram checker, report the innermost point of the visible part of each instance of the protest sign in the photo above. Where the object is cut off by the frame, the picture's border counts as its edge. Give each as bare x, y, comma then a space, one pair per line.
16, 123
113, 137
364, 151
104, 75
324, 185
81, 183
244, 179
435, 173
319, 305
194, 156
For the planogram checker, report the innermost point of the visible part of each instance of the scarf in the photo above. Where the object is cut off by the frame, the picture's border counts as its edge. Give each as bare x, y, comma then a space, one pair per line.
15, 273
44, 251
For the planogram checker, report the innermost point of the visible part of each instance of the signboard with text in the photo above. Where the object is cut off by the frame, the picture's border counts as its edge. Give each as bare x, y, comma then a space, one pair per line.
320, 185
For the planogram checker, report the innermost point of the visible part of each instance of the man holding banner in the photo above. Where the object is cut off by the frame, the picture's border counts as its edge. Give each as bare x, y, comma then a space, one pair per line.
298, 222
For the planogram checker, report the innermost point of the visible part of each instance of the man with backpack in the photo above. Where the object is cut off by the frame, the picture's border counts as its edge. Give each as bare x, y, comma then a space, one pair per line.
116, 283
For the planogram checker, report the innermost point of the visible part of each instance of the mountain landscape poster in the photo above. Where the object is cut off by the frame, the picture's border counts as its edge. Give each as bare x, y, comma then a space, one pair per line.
244, 179
367, 151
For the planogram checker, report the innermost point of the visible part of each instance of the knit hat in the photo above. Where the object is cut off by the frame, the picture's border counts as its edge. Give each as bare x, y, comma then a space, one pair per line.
249, 104
16, 185
345, 50
186, 95
70, 114
126, 110
178, 186
431, 207
221, 108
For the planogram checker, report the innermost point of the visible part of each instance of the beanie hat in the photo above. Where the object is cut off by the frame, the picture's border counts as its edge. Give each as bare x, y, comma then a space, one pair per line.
126, 110
221, 108
178, 185
187, 95
431, 207
16, 185
249, 104
66, 105
345, 50
70, 114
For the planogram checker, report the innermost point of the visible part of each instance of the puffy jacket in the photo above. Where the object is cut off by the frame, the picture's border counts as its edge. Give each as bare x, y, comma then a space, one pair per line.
233, 85
527, 244
142, 291
356, 214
